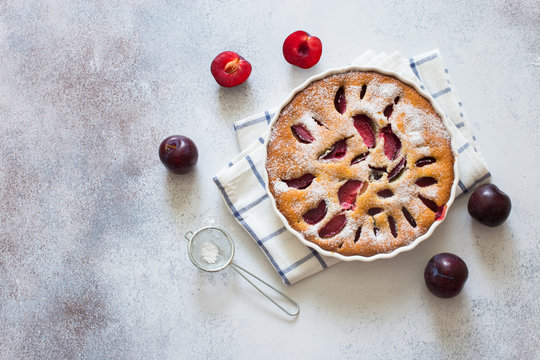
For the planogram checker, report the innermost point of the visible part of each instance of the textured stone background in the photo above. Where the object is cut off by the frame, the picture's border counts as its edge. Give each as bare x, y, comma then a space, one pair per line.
93, 263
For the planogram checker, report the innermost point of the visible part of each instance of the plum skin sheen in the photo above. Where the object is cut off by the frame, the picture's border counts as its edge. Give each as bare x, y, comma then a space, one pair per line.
445, 274
489, 205
178, 153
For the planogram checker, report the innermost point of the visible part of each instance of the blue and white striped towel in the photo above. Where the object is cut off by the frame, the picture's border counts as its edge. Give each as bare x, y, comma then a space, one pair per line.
243, 187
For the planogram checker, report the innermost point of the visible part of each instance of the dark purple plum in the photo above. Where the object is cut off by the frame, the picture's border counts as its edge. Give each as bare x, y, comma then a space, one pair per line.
489, 205
445, 274
178, 153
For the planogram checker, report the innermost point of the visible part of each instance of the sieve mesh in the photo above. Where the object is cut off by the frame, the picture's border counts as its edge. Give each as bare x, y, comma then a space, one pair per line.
218, 238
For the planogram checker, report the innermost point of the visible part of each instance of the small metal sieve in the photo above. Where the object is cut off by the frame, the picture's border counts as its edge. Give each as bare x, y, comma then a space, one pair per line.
225, 246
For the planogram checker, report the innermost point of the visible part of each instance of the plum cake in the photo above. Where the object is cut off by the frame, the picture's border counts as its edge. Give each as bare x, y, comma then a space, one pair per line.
360, 163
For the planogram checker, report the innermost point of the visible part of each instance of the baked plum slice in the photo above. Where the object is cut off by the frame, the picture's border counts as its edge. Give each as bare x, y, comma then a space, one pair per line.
425, 181
348, 193
374, 211
392, 144
439, 211
385, 193
363, 91
333, 227
388, 110
315, 215
425, 161
340, 102
364, 126
301, 182
393, 226
359, 158
336, 151
408, 216
397, 170
302, 134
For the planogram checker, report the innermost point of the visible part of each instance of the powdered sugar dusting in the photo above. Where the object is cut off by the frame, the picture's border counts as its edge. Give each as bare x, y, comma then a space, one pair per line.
430, 192
280, 187
298, 163
379, 240
317, 191
423, 150
406, 190
316, 97
418, 123
312, 230
384, 90
310, 124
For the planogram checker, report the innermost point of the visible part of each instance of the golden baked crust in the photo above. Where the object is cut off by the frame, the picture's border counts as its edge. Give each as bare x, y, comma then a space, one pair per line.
308, 138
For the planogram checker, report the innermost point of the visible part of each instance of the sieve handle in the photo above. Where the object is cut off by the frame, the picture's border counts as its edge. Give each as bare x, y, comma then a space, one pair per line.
240, 270
188, 235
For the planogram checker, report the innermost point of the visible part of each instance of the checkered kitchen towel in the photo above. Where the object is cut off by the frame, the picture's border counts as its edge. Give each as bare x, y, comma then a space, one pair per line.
243, 187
